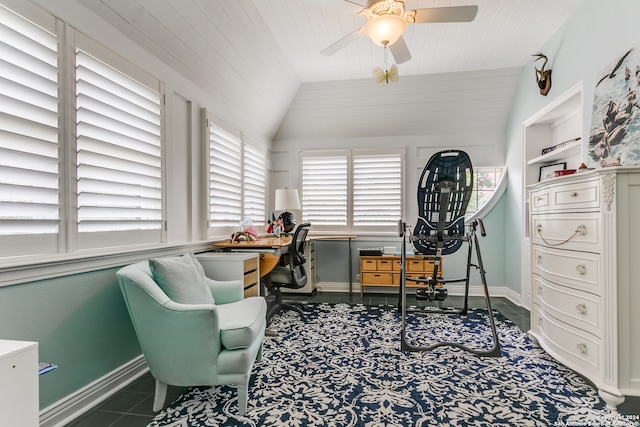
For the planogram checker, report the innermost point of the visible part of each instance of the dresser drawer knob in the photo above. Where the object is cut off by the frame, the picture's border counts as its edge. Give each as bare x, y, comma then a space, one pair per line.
539, 291
574, 194
582, 309
582, 348
581, 269
539, 259
539, 321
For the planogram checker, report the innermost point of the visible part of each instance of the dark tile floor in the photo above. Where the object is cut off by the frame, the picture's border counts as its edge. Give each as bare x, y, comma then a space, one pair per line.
132, 407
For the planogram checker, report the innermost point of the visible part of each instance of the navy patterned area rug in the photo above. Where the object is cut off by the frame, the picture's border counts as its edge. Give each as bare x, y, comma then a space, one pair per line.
344, 367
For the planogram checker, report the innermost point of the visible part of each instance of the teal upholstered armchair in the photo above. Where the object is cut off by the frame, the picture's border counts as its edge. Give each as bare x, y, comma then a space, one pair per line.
205, 339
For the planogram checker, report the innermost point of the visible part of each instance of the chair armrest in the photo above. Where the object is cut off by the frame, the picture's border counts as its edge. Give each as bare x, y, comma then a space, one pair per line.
226, 291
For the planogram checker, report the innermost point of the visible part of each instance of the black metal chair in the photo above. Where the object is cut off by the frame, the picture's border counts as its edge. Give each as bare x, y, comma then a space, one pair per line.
290, 274
444, 192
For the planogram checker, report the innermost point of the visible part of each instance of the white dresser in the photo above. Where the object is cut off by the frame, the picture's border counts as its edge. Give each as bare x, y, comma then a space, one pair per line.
585, 265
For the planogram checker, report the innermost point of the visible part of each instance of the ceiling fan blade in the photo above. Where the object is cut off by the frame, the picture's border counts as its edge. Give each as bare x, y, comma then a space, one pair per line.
343, 42
400, 51
446, 14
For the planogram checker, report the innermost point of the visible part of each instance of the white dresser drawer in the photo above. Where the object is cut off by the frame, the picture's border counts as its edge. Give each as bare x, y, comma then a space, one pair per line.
575, 348
577, 231
540, 200
579, 309
579, 270
580, 195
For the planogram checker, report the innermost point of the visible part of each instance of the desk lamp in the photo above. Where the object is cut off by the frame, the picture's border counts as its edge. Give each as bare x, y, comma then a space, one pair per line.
287, 199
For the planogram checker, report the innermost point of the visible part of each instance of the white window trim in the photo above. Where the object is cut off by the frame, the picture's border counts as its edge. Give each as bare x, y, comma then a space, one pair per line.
493, 200
350, 155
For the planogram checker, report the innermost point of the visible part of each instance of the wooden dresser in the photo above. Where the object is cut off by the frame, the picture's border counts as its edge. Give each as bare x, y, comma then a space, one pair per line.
384, 270
585, 276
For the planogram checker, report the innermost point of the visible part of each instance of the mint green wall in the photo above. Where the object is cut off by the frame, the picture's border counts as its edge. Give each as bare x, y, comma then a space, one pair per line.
598, 33
80, 322
331, 255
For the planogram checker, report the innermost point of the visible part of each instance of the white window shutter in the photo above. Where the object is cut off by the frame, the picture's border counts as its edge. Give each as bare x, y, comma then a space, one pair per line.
225, 178
29, 136
377, 190
254, 188
325, 184
119, 154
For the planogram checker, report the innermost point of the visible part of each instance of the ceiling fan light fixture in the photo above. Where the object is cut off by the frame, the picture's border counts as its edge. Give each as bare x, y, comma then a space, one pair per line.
385, 30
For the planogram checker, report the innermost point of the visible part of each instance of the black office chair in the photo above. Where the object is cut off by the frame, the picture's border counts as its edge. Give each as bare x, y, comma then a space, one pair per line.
444, 192
291, 274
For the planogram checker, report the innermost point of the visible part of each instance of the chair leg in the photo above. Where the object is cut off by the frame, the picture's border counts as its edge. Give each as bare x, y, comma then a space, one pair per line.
259, 355
243, 395
160, 396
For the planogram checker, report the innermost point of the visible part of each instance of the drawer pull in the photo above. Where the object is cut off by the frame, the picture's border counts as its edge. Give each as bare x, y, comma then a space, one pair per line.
539, 321
582, 309
539, 259
574, 194
581, 269
582, 348
539, 292
580, 230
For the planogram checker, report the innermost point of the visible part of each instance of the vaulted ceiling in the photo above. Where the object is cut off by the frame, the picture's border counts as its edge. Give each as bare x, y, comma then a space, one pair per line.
504, 34
254, 56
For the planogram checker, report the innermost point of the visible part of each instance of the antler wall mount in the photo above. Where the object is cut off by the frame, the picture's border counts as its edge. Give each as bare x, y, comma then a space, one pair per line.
543, 77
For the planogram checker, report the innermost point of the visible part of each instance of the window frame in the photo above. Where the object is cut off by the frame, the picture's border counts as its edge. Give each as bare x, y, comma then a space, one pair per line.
68, 242
350, 155
244, 143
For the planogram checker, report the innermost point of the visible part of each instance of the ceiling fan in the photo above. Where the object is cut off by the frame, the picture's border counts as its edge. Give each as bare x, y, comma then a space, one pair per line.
387, 21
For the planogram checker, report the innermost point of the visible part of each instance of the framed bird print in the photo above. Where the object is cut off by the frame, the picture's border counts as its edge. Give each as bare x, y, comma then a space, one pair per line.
615, 120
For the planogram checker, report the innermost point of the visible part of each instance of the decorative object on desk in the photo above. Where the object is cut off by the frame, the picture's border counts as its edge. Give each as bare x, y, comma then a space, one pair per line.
547, 172
615, 123
240, 236
355, 376
287, 199
248, 228
543, 77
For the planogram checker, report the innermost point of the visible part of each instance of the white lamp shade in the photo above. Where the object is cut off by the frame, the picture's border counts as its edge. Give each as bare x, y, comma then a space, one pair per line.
385, 30
287, 199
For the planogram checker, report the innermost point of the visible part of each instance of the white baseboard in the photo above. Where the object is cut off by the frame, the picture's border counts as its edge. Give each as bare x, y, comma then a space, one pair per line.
76, 404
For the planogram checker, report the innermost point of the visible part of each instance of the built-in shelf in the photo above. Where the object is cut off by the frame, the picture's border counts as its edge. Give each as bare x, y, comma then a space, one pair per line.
560, 153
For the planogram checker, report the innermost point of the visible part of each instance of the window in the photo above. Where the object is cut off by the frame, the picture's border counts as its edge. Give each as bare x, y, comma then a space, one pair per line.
360, 190
29, 136
101, 187
119, 154
254, 184
236, 177
488, 186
